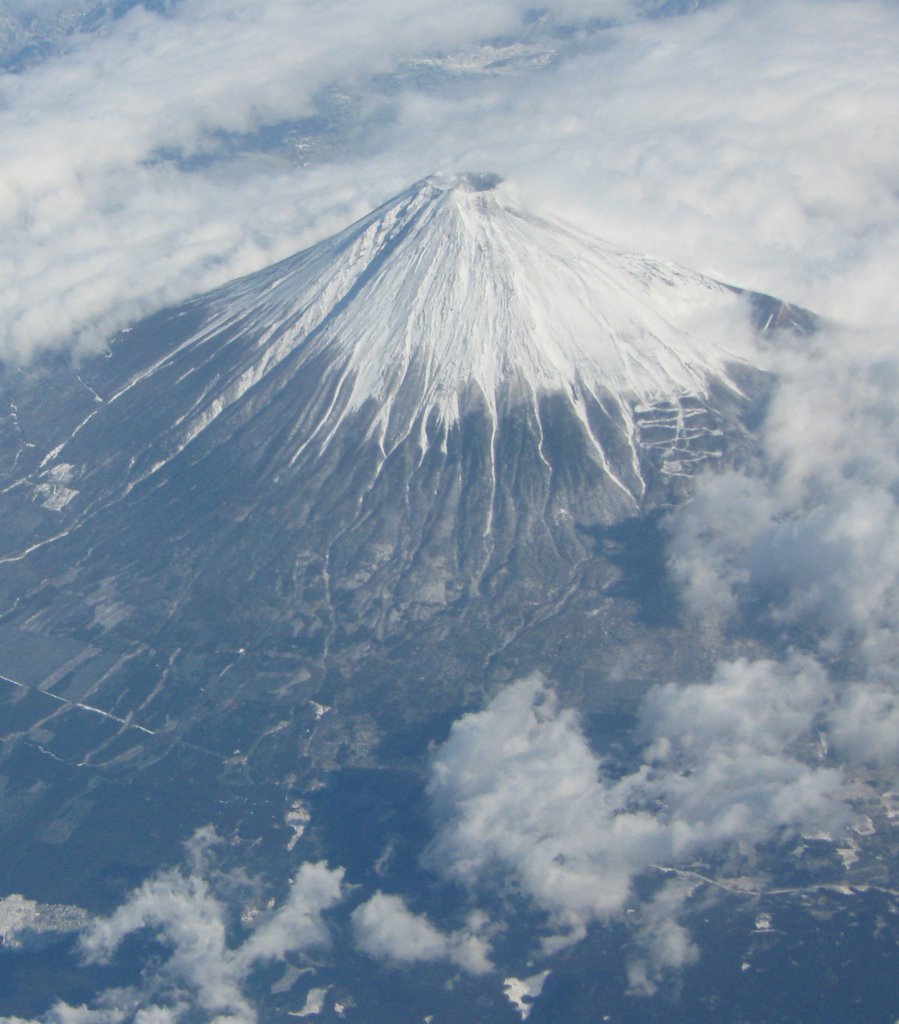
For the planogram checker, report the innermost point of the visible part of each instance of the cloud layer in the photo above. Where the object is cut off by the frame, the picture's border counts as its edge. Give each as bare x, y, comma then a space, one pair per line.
807, 546
177, 150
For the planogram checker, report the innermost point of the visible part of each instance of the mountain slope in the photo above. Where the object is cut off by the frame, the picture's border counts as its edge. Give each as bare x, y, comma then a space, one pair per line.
447, 299
418, 420
376, 478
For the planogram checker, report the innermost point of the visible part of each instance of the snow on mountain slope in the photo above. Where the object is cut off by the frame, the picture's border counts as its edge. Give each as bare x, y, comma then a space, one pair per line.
449, 297
451, 287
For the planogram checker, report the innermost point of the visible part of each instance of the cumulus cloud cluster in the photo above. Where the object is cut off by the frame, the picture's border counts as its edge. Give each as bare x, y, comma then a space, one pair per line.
204, 971
148, 163
386, 928
518, 792
193, 912
663, 943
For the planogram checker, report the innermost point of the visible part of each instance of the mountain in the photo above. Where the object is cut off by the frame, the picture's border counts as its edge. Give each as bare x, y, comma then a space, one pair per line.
273, 540
432, 412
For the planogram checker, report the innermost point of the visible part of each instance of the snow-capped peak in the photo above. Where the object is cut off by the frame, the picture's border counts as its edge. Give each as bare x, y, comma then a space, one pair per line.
450, 297
451, 292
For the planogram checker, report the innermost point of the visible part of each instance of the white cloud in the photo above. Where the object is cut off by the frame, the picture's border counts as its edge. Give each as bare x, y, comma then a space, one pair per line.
114, 1007
732, 753
192, 922
156, 1015
203, 971
517, 791
723, 513
384, 927
298, 923
664, 943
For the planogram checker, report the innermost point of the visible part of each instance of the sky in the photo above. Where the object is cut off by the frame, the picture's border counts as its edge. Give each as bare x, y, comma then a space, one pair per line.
752, 141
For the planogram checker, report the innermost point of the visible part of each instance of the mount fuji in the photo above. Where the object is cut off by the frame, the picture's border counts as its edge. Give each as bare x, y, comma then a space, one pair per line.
448, 299
435, 406
286, 531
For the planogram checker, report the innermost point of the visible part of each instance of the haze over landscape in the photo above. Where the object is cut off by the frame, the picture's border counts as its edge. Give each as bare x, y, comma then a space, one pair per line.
448, 511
